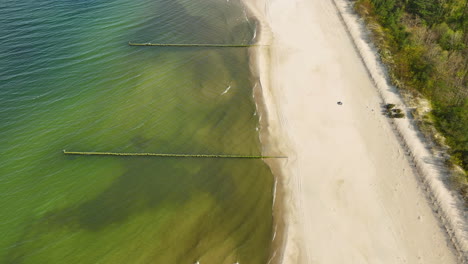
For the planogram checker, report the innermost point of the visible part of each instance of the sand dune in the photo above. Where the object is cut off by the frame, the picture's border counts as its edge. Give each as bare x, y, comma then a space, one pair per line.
351, 194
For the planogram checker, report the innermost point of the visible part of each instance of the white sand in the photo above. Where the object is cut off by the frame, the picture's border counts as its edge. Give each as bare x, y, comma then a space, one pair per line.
351, 194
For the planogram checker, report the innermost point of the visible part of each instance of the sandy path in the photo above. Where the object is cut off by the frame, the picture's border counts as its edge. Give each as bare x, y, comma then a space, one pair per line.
352, 196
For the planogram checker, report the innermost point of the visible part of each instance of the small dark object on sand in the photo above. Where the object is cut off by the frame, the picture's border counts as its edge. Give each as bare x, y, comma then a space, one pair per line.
340, 103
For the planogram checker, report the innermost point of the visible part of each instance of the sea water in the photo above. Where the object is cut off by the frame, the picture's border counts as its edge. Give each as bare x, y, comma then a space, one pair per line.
69, 80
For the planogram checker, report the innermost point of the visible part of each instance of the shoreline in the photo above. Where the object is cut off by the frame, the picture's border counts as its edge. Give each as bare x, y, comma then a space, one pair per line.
268, 131
292, 244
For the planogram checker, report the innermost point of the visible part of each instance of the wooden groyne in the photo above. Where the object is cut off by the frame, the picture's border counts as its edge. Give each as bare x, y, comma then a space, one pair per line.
195, 45
123, 154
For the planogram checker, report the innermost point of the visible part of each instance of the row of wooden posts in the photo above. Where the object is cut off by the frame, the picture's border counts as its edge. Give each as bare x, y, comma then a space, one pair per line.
230, 156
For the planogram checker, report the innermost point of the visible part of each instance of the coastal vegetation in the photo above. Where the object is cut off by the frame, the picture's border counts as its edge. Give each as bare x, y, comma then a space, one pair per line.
425, 47
392, 112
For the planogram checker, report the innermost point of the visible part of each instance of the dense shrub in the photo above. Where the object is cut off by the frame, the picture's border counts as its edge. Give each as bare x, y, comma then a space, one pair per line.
425, 45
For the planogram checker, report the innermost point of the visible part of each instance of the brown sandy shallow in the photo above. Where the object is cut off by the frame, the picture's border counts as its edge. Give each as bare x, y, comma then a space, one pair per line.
348, 193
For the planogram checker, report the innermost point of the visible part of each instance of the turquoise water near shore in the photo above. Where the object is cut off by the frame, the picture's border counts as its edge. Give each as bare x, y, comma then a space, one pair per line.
70, 81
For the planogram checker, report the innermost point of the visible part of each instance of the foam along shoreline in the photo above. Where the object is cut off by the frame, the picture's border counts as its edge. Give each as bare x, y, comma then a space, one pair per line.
268, 131
351, 192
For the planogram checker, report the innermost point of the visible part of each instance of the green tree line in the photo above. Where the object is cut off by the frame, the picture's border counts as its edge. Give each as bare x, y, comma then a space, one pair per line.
425, 45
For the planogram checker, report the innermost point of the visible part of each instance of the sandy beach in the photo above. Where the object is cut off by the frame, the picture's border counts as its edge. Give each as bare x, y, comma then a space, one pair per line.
350, 189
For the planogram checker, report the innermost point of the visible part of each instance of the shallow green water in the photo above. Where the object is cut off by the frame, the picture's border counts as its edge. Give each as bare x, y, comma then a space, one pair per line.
70, 81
